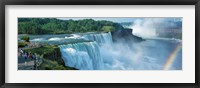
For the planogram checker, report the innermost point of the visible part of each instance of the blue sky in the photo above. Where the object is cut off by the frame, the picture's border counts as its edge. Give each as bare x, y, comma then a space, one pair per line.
114, 19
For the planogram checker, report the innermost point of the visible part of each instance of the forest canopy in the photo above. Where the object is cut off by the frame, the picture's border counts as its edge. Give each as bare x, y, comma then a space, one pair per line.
58, 26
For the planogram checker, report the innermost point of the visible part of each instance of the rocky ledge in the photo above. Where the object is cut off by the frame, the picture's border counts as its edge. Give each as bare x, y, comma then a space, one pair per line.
125, 35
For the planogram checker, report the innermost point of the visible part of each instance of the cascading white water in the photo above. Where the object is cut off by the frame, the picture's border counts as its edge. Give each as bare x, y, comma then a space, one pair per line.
147, 55
84, 56
101, 38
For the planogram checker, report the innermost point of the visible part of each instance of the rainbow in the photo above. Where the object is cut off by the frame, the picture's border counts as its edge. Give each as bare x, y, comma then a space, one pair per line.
172, 57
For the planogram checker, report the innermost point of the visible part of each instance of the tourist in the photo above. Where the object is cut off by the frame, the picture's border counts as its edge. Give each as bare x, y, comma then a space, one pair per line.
35, 63
33, 57
21, 51
30, 56
25, 57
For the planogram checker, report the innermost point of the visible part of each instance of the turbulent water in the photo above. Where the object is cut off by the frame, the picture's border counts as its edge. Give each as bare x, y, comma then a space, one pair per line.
102, 38
84, 56
96, 51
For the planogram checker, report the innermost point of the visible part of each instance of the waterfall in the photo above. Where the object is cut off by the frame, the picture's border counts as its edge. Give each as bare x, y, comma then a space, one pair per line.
101, 38
84, 55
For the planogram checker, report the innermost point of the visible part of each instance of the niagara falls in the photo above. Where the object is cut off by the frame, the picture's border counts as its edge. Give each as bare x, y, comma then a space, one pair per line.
100, 44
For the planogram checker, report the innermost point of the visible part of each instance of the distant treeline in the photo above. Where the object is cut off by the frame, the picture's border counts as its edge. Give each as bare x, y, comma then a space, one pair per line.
57, 26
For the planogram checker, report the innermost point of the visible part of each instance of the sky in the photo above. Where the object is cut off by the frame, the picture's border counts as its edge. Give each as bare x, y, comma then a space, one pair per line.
119, 19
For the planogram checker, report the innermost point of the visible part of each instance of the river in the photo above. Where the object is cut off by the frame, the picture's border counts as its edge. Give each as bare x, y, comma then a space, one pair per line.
97, 51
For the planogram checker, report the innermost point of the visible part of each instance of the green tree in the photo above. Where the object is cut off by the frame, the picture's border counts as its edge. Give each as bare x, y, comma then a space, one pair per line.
57, 26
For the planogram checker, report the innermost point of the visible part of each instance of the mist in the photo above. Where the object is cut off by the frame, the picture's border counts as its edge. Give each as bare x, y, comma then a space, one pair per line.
123, 55
139, 56
103, 54
148, 27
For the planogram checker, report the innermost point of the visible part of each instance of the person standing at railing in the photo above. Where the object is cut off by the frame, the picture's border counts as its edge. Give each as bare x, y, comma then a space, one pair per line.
25, 57
35, 61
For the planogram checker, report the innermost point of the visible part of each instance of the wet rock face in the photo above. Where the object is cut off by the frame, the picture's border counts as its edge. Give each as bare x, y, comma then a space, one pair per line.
125, 35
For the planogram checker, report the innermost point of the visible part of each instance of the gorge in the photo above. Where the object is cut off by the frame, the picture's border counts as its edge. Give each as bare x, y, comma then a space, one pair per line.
110, 47
118, 50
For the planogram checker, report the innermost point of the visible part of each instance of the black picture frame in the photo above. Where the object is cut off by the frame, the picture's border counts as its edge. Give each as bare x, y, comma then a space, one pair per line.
98, 2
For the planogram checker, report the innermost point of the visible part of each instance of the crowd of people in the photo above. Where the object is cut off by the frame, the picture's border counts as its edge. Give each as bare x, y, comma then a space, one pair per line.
28, 56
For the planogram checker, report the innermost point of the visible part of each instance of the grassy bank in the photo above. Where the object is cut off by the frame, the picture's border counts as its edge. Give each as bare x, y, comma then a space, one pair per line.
51, 57
22, 44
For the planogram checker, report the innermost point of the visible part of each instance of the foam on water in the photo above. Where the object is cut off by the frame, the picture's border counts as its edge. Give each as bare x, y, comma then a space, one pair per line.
38, 39
84, 56
55, 39
101, 38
